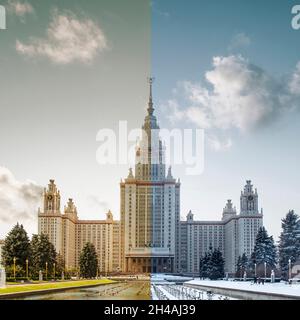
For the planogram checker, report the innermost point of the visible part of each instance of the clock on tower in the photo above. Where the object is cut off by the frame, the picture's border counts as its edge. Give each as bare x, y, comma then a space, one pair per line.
249, 200
51, 199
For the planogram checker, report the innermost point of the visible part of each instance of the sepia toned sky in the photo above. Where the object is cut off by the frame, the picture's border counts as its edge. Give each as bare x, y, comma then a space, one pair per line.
70, 68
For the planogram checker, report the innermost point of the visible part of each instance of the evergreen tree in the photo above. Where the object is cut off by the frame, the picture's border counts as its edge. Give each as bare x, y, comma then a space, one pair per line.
42, 253
88, 261
289, 241
211, 265
216, 270
34, 258
264, 249
16, 245
207, 263
242, 265
201, 267
60, 264
239, 267
244, 262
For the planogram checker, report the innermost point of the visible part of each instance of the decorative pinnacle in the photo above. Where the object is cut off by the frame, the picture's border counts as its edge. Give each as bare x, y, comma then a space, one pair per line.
150, 103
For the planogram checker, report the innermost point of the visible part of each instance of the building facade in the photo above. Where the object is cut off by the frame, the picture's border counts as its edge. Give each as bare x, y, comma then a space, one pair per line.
150, 206
69, 234
150, 236
234, 235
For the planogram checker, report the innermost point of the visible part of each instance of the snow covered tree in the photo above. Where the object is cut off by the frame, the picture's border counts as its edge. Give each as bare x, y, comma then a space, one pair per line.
204, 265
211, 265
244, 261
239, 266
289, 241
242, 265
217, 262
16, 245
201, 267
264, 249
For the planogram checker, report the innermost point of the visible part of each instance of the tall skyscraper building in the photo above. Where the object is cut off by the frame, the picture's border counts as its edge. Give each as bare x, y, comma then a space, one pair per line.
150, 206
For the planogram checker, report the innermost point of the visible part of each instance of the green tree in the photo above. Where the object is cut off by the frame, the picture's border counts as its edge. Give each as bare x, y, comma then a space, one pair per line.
42, 252
34, 258
60, 264
88, 261
16, 245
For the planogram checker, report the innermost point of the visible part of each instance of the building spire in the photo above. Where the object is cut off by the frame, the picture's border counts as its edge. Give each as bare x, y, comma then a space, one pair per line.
150, 103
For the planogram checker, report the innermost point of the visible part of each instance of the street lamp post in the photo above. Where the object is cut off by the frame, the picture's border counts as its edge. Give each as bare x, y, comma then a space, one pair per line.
27, 269
46, 271
265, 271
54, 270
15, 267
255, 270
290, 263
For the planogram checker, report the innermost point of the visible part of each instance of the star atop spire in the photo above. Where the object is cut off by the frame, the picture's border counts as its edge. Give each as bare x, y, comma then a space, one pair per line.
150, 103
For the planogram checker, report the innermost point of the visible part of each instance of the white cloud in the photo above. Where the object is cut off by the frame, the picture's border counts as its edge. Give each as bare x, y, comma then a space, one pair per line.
294, 84
69, 39
217, 144
237, 95
239, 40
164, 14
155, 9
18, 202
20, 8
174, 112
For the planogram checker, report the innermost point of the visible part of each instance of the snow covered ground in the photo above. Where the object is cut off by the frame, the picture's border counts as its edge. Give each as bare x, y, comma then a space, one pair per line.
178, 292
277, 288
153, 294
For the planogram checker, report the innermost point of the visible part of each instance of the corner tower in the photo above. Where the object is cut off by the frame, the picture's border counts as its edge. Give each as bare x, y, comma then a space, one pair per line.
50, 221
249, 200
51, 199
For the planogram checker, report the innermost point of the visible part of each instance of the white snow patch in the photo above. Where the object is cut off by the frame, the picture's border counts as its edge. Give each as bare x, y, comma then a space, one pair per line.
276, 288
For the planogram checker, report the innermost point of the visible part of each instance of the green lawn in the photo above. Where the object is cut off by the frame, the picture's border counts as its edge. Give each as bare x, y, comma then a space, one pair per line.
55, 285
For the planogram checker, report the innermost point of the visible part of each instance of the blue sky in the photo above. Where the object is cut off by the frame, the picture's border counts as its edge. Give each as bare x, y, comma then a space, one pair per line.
186, 35
192, 32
